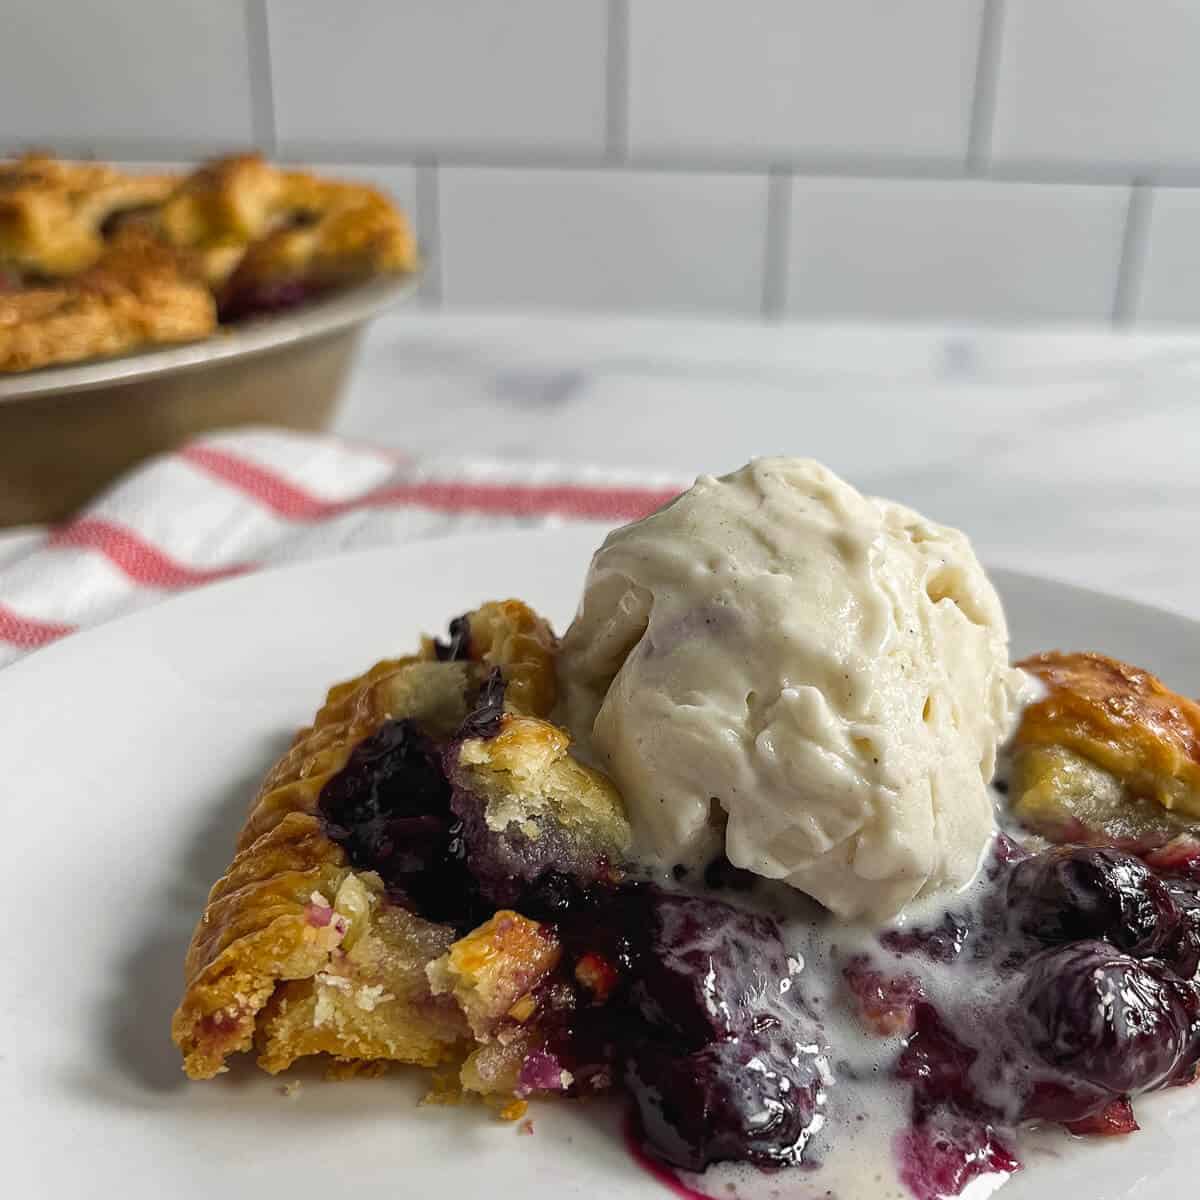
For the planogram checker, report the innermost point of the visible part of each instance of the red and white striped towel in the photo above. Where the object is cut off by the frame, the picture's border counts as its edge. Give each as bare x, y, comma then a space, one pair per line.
239, 501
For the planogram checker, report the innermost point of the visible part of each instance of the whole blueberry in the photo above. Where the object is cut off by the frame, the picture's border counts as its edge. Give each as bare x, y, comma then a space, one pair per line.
1104, 1017
710, 970
753, 1099
1183, 955
1072, 893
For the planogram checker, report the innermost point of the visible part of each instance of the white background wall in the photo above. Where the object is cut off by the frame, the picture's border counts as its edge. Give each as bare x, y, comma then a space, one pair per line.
993, 159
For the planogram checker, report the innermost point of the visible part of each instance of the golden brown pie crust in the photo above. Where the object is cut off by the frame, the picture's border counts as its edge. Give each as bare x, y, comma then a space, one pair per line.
252, 223
136, 294
1123, 720
296, 952
96, 262
53, 213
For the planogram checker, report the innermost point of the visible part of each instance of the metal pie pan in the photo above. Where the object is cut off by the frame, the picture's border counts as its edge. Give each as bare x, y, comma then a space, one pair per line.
66, 431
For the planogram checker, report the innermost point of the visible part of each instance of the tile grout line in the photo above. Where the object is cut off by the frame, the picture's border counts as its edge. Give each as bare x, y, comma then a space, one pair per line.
262, 84
616, 82
983, 100
776, 238
429, 230
883, 170
1132, 261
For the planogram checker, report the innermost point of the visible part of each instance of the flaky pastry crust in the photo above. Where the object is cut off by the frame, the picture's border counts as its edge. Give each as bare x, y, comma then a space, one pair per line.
53, 214
1121, 719
253, 224
137, 294
299, 953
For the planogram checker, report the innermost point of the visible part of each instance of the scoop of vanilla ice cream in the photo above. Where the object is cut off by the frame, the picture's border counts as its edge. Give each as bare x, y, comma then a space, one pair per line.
828, 670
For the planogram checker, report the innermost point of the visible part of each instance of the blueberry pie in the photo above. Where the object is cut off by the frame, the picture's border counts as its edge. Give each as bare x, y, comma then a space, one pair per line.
96, 262
544, 868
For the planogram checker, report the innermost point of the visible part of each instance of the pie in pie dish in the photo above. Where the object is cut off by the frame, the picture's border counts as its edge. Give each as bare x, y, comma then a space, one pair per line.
96, 262
437, 874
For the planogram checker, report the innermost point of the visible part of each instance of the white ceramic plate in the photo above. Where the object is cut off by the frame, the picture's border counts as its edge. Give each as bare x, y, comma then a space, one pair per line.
127, 758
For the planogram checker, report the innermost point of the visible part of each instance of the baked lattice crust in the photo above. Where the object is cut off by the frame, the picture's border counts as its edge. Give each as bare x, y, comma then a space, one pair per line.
255, 226
54, 214
238, 237
136, 294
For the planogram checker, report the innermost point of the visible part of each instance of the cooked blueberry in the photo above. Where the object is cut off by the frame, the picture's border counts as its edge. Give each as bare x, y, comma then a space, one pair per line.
244, 299
504, 862
723, 1058
1183, 955
1115, 1119
750, 1099
552, 896
1110, 1019
710, 970
1072, 1102
389, 809
1071, 893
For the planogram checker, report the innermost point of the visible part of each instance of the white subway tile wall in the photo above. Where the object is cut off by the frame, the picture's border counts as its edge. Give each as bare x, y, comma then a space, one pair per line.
387, 77
969, 248
166, 76
1009, 160
778, 80
1169, 286
602, 239
1101, 83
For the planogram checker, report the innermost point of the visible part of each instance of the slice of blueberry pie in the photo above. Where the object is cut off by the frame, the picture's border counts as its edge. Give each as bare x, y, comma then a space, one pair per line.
350, 877
729, 852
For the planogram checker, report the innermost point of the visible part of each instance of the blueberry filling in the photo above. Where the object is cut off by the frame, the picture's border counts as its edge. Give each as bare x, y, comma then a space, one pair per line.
1117, 1022
389, 809
732, 1065
245, 300
943, 943
1087, 961
1088, 958
703, 1023
502, 862
1072, 893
